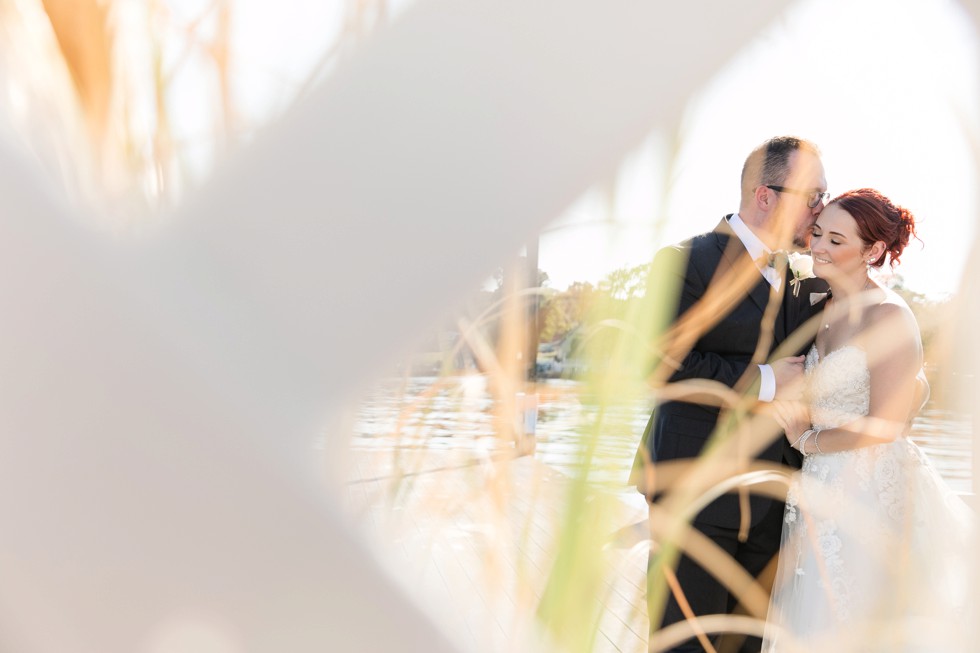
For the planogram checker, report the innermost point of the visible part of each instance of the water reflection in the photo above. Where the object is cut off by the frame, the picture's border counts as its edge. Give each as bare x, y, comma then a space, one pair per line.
457, 413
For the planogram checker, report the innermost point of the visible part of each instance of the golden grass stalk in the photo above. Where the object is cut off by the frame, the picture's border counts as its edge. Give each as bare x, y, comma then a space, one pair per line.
85, 38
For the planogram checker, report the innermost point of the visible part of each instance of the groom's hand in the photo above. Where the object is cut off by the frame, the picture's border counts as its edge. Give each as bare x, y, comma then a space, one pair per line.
789, 377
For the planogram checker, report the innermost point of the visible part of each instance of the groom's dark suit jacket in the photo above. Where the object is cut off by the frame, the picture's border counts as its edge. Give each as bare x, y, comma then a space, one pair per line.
680, 429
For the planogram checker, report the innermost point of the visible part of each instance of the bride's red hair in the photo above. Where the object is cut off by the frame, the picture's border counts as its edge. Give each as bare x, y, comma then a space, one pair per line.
878, 218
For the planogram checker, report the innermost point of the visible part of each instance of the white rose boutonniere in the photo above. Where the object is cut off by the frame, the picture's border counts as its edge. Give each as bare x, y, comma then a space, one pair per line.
801, 265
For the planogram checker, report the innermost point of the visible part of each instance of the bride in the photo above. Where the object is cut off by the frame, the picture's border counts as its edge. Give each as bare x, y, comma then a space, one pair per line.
874, 544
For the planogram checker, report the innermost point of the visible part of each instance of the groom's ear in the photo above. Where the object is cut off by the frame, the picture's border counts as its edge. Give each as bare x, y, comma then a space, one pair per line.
762, 198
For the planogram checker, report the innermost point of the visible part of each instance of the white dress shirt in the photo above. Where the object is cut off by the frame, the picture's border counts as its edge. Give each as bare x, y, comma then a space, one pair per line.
756, 249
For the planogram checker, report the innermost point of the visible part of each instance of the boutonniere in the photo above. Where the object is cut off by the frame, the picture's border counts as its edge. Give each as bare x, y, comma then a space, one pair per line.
801, 266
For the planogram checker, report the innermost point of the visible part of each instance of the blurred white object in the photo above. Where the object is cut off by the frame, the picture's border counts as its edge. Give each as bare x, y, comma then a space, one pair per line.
158, 397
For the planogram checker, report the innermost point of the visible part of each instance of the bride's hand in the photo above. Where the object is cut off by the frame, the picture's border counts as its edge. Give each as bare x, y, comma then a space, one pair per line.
792, 416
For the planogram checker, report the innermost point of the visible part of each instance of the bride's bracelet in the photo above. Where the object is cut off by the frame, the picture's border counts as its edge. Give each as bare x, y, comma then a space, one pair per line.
800, 444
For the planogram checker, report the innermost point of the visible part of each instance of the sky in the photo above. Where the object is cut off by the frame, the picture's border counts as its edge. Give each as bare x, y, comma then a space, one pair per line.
887, 89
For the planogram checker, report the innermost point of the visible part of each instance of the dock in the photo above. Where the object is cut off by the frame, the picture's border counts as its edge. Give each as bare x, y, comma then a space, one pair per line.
472, 538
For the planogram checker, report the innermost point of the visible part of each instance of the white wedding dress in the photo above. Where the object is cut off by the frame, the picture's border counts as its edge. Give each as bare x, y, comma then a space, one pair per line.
875, 546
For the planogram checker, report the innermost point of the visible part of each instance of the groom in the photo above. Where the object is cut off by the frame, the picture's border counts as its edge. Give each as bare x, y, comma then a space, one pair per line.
783, 191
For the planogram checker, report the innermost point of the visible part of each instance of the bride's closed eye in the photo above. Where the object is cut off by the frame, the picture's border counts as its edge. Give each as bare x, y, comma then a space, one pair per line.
816, 233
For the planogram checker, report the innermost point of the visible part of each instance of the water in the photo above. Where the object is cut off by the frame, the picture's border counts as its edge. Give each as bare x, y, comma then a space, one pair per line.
458, 413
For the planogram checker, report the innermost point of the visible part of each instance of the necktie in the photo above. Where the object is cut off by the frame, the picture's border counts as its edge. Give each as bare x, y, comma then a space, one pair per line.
776, 260
772, 265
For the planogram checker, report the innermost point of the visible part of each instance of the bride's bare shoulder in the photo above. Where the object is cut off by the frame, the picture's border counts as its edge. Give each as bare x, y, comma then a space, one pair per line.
890, 304
891, 316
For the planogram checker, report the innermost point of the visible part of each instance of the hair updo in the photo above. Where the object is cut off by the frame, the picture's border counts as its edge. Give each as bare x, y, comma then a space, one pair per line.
878, 218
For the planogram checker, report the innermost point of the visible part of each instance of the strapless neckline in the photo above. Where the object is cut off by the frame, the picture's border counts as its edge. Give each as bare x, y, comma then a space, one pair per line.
829, 354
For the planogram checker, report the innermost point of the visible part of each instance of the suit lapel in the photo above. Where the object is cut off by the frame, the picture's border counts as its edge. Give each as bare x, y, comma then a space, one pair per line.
732, 252
760, 293
800, 309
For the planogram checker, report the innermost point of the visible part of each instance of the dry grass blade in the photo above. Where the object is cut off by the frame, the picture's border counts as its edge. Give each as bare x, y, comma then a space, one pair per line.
85, 39
221, 52
677, 633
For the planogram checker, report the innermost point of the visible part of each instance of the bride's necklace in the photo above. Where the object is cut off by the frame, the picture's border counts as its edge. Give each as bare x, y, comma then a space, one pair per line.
868, 284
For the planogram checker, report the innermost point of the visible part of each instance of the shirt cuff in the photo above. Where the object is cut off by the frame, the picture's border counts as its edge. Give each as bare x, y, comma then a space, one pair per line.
767, 387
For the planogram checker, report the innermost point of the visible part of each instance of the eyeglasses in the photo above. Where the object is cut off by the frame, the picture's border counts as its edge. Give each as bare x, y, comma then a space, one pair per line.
813, 197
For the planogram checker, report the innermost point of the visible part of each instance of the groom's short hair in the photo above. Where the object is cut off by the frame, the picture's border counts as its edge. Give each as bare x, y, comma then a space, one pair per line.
769, 162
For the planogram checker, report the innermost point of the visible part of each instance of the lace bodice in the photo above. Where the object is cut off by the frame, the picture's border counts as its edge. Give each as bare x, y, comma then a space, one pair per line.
838, 388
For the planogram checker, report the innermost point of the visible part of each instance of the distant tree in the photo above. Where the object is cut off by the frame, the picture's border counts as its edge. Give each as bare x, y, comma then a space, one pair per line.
626, 284
561, 312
